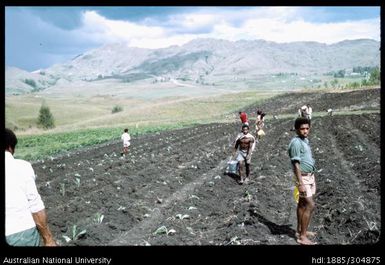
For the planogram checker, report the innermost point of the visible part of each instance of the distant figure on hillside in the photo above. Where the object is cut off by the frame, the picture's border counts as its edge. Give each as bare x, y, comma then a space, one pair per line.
303, 166
330, 112
25, 215
305, 111
126, 141
242, 152
259, 125
243, 117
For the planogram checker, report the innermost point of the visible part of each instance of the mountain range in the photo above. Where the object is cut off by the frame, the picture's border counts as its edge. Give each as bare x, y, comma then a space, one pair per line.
201, 61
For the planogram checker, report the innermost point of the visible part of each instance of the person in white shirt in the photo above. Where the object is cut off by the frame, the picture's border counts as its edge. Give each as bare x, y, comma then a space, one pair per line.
126, 141
305, 111
25, 215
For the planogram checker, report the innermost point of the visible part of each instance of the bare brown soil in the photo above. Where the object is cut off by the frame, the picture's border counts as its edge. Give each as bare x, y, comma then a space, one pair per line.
176, 179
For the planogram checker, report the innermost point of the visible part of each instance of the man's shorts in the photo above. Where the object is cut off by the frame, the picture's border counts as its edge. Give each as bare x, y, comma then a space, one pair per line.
310, 186
241, 156
126, 144
29, 237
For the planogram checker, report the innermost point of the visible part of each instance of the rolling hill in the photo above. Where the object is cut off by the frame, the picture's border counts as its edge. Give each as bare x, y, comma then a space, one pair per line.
201, 62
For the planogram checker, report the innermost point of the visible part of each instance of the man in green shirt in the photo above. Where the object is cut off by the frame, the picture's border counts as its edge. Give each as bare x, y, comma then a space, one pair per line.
303, 167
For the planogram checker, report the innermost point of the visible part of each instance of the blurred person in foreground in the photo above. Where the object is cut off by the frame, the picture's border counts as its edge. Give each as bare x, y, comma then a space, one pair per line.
25, 216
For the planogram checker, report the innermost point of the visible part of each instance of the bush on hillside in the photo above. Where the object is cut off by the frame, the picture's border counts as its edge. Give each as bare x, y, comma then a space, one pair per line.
30, 82
45, 118
116, 109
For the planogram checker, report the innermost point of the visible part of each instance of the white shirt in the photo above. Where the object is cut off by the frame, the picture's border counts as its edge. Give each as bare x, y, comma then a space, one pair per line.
126, 138
21, 195
307, 110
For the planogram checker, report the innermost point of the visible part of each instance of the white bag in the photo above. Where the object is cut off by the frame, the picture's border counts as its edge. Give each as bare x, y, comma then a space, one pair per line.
232, 167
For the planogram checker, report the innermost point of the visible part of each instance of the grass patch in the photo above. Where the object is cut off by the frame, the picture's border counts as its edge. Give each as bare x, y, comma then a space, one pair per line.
81, 122
34, 147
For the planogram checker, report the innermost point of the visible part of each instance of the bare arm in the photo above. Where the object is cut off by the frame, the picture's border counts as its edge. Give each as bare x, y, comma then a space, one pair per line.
40, 219
297, 173
235, 148
250, 149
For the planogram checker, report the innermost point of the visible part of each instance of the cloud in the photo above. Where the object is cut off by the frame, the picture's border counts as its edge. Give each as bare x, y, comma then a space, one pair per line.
300, 30
278, 24
104, 30
45, 41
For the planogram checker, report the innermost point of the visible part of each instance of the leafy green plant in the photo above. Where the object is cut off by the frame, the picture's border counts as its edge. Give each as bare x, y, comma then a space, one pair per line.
63, 189
234, 241
30, 82
45, 118
98, 218
116, 109
77, 182
75, 234
182, 216
248, 196
163, 230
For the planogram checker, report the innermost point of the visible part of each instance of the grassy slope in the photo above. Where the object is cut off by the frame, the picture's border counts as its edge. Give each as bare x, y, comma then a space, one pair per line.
82, 122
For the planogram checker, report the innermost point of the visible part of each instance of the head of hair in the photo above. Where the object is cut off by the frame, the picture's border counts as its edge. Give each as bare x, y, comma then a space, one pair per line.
301, 120
240, 112
10, 139
245, 126
126, 130
259, 112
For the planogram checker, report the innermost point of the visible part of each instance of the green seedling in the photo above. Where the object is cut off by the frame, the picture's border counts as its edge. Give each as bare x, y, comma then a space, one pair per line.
63, 189
163, 230
182, 216
77, 182
234, 241
75, 234
248, 196
98, 218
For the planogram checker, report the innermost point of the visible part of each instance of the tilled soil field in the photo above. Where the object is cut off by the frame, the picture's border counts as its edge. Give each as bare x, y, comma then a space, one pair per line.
171, 188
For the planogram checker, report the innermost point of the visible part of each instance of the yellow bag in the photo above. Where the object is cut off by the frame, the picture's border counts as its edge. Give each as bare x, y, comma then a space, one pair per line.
261, 132
296, 194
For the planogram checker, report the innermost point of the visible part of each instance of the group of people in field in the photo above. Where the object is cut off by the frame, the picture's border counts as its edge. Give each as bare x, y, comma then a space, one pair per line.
26, 219
245, 143
302, 162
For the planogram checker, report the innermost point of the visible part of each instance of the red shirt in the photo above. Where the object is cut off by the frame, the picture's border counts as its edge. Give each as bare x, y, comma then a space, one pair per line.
243, 117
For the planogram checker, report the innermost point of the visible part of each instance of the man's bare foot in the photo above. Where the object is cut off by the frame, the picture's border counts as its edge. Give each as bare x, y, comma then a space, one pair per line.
240, 181
308, 233
305, 241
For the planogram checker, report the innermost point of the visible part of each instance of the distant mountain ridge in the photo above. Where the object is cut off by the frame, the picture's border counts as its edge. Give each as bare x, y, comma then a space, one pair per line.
199, 61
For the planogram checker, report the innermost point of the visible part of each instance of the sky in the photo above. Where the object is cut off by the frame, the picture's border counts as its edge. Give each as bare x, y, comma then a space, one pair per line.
39, 37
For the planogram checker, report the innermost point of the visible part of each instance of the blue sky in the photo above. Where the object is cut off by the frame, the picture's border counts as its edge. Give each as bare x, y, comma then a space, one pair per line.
38, 37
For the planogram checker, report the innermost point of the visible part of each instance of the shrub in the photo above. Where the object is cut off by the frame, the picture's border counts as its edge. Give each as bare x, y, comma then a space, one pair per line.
375, 76
116, 109
45, 118
30, 82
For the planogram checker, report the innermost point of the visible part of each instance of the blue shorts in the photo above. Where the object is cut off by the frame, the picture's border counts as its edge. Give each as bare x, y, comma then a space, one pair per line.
29, 237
